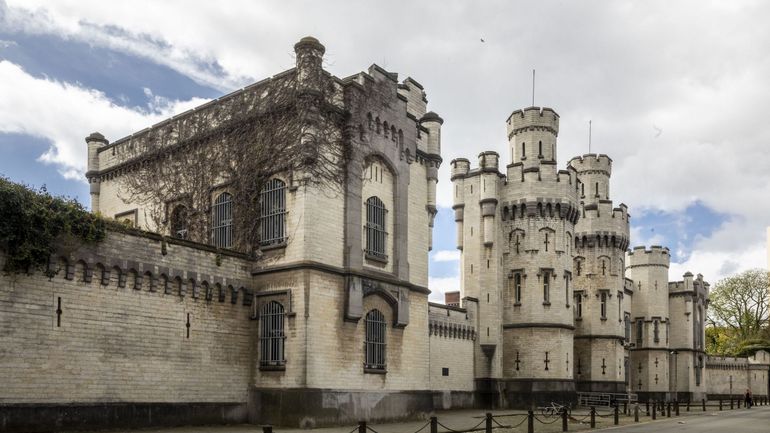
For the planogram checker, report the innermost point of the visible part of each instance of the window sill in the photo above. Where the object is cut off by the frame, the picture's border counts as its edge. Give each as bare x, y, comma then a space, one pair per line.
375, 370
376, 258
578, 319
547, 304
272, 367
517, 304
271, 247
604, 319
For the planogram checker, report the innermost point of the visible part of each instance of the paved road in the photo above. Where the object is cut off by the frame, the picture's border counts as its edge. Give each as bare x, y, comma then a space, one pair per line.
753, 420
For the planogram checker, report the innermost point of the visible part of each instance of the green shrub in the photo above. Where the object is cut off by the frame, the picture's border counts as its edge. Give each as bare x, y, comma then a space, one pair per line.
34, 224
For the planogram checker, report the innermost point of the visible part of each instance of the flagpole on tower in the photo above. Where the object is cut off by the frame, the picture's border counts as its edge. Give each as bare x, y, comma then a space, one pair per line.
589, 136
533, 87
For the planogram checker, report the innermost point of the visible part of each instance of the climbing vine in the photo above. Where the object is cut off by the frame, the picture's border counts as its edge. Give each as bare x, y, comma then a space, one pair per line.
35, 224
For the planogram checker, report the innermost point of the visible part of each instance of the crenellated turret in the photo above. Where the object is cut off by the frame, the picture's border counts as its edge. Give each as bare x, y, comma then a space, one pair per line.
532, 136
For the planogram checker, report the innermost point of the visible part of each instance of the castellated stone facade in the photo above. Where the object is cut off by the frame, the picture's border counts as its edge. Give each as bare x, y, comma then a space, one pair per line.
330, 323
564, 306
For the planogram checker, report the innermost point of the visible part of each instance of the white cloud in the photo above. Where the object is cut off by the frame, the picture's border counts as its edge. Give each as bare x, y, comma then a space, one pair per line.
439, 286
65, 113
716, 265
446, 256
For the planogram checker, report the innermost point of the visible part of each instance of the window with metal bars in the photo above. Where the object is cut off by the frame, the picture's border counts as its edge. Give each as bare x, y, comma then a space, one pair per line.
179, 222
376, 235
271, 335
374, 344
272, 220
222, 221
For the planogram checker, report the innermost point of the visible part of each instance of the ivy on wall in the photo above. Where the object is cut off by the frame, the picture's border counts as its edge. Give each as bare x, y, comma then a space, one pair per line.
34, 225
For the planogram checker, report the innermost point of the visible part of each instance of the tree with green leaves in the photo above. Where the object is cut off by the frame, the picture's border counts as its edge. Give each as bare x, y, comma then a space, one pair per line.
739, 310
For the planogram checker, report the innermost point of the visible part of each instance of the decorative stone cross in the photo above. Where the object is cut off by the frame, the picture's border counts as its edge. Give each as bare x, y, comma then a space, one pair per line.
517, 361
604, 267
518, 242
604, 367
640, 285
58, 312
656, 362
546, 241
577, 268
567, 365
640, 383
188, 325
546, 361
640, 366
656, 379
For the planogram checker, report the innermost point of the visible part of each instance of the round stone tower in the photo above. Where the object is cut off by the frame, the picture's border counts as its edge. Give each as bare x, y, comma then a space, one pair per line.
650, 321
95, 141
601, 239
538, 216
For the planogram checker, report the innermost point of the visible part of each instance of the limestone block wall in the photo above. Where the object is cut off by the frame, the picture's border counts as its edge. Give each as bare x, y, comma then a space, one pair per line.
120, 335
452, 337
378, 182
337, 345
731, 376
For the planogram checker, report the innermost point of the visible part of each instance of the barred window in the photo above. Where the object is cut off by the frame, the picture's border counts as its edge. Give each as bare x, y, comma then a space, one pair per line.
375, 227
639, 330
179, 222
222, 221
273, 213
627, 319
271, 335
546, 287
374, 344
656, 331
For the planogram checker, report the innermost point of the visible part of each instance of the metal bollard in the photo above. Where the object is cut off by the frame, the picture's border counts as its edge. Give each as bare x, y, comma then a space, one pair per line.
530, 421
731, 403
647, 404
433, 424
361, 426
676, 407
668, 410
593, 417
688, 405
616, 415
655, 411
636, 413
720, 404
489, 423
625, 408
267, 429
703, 402
739, 403
564, 421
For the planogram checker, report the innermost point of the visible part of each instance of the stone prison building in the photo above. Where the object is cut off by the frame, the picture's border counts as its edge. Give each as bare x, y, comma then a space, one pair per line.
330, 321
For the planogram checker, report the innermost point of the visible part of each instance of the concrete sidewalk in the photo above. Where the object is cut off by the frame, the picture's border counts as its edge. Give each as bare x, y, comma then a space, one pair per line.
459, 420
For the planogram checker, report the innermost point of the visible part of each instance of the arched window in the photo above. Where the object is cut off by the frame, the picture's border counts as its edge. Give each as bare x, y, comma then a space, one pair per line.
222, 221
271, 334
370, 121
375, 227
374, 344
273, 213
179, 222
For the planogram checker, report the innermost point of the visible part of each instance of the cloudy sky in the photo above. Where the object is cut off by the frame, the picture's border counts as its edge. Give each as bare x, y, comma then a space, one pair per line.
677, 93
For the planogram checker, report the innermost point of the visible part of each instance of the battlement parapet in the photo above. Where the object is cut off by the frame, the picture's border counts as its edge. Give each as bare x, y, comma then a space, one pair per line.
656, 255
533, 117
602, 239
591, 162
489, 160
460, 167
